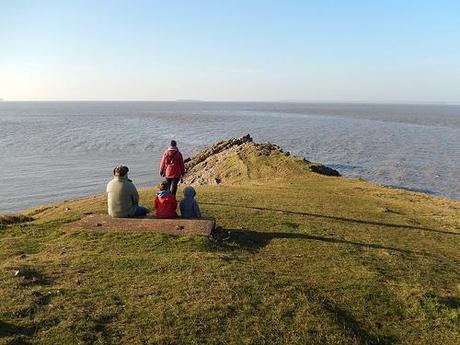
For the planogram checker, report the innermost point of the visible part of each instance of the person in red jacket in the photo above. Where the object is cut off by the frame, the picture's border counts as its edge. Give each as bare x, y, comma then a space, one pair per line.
165, 202
172, 167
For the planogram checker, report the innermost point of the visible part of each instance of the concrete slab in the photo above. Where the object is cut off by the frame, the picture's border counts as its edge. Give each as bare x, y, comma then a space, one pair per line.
177, 226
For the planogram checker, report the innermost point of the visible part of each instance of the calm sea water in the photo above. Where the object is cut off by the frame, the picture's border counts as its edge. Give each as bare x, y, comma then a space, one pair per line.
52, 151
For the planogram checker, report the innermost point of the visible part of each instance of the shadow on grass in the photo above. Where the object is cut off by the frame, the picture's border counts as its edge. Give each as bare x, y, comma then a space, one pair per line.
255, 240
230, 239
347, 322
31, 276
450, 302
39, 301
342, 219
10, 330
99, 327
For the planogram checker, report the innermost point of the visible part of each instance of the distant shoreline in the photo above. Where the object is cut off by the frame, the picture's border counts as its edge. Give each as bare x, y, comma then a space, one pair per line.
396, 103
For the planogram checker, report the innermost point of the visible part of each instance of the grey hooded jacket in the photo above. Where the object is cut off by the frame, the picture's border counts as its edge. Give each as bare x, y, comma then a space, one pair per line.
122, 197
188, 206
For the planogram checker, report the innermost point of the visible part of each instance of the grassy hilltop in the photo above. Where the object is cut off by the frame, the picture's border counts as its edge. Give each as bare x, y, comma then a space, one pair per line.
300, 258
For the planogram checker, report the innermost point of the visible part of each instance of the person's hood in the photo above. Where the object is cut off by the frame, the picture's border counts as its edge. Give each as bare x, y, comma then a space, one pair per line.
171, 152
189, 192
163, 193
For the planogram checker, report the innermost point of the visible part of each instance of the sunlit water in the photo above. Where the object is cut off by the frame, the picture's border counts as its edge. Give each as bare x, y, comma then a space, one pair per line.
52, 151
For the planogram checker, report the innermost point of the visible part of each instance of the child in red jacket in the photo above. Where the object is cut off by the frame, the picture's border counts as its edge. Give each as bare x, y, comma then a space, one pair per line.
165, 203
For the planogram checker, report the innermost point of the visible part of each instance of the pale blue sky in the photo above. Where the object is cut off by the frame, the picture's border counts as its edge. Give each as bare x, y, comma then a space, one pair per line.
392, 50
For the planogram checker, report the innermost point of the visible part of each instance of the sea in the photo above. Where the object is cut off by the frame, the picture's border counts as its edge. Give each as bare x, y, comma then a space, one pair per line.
55, 151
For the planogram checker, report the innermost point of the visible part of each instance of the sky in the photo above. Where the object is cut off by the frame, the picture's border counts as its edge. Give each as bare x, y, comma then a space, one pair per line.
239, 50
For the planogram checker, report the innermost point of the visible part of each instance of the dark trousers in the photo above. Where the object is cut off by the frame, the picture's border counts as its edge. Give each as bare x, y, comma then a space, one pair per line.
140, 211
172, 185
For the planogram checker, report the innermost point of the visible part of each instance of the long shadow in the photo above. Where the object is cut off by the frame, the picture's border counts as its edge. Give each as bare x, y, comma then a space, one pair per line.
8, 330
345, 319
450, 302
342, 219
255, 240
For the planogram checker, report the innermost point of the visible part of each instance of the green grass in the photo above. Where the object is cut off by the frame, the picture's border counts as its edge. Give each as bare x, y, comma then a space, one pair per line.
303, 259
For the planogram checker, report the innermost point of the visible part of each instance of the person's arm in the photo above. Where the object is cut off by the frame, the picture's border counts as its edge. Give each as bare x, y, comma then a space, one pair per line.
163, 165
196, 210
135, 195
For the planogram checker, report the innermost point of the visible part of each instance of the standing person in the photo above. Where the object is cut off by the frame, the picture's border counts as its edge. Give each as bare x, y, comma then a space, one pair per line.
122, 196
172, 167
165, 203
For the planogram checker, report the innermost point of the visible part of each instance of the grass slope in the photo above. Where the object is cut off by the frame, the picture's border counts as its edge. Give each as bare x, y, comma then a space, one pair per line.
299, 259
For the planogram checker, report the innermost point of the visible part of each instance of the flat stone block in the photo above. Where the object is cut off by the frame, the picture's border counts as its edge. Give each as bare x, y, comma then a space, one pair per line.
176, 226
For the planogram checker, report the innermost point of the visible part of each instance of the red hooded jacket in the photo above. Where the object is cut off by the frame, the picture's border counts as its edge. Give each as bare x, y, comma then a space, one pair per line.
172, 163
165, 206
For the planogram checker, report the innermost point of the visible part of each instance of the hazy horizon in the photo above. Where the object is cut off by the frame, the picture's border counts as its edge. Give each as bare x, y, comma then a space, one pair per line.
386, 102
262, 51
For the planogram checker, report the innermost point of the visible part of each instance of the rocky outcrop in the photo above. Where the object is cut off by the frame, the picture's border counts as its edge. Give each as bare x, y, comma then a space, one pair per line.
324, 170
267, 149
230, 160
215, 149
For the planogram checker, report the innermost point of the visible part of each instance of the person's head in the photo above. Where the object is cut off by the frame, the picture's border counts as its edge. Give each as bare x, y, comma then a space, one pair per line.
189, 192
163, 185
120, 171
173, 143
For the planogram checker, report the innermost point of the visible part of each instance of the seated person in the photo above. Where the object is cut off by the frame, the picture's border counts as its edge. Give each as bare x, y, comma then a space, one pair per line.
188, 206
165, 203
123, 199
